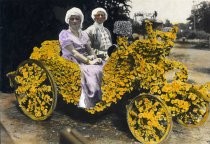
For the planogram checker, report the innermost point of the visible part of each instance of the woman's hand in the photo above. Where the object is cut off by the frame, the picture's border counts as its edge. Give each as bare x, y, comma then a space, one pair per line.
95, 61
107, 57
91, 57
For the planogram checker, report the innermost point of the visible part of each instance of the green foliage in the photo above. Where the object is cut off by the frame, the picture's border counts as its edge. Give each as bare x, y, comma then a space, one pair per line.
167, 23
198, 35
201, 16
189, 34
137, 27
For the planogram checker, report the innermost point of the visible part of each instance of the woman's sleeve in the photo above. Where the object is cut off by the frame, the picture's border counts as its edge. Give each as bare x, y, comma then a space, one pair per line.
64, 39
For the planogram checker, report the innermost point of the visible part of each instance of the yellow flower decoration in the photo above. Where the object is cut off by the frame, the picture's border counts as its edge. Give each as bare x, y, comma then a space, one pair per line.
140, 65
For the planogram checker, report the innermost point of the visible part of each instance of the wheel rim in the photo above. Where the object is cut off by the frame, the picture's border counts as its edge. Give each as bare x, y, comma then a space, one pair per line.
149, 126
197, 114
36, 90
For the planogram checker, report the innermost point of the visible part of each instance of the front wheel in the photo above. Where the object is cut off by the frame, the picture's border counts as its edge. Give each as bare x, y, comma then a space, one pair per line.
148, 119
35, 90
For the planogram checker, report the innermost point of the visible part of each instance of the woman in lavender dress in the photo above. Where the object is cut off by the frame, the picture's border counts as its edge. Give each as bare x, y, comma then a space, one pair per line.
75, 46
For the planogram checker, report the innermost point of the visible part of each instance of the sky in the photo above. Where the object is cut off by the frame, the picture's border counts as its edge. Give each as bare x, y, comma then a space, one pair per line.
177, 11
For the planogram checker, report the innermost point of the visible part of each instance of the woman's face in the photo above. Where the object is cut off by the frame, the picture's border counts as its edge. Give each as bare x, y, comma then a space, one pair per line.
100, 17
74, 22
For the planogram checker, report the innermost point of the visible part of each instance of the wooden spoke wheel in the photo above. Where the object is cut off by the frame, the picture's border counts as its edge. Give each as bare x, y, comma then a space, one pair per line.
148, 119
197, 113
35, 90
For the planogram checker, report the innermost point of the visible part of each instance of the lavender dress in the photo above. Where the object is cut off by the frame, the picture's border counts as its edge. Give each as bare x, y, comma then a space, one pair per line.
91, 75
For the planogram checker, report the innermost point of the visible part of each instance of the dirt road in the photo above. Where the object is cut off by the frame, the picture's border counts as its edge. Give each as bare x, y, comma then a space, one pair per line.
197, 62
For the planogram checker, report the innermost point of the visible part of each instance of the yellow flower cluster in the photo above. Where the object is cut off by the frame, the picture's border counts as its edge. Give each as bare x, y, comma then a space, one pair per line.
175, 96
197, 98
34, 91
141, 64
203, 91
36, 99
65, 73
145, 63
126, 67
118, 77
148, 119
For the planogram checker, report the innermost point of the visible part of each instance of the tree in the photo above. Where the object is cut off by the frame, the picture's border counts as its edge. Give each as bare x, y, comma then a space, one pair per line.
167, 23
200, 16
183, 30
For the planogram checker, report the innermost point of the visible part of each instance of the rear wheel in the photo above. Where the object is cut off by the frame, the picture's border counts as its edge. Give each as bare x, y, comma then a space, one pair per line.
148, 119
35, 90
197, 113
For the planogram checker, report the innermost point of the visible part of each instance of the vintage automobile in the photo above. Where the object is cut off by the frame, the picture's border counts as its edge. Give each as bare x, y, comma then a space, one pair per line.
139, 65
